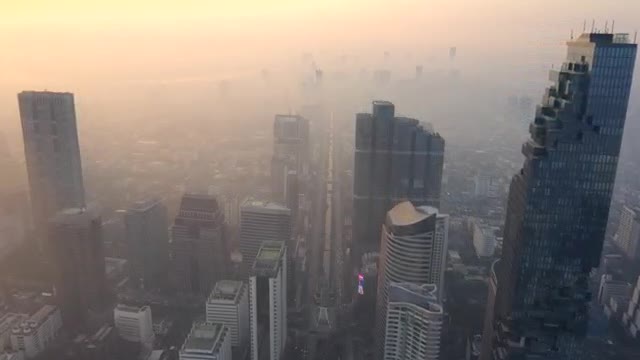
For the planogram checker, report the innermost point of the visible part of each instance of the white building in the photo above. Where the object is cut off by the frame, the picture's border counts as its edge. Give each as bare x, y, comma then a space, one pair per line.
268, 302
609, 288
207, 341
228, 304
134, 324
414, 322
484, 238
7, 322
627, 237
34, 334
631, 317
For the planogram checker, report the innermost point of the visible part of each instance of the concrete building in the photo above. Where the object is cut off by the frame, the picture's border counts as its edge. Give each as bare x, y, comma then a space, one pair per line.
35, 334
7, 322
290, 153
75, 237
631, 317
268, 302
411, 252
19, 355
396, 159
486, 186
627, 238
207, 341
262, 221
484, 238
147, 239
414, 322
134, 324
52, 154
609, 288
199, 249
228, 304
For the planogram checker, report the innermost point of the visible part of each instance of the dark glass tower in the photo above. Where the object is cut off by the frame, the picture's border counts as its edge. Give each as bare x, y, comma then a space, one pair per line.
396, 159
558, 206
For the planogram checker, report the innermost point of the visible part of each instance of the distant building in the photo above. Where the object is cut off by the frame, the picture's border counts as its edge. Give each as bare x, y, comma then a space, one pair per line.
484, 238
97, 346
52, 154
199, 250
75, 237
262, 221
609, 288
290, 152
34, 334
486, 186
19, 355
207, 341
396, 159
268, 302
228, 304
411, 252
631, 317
7, 322
414, 323
627, 239
134, 324
147, 238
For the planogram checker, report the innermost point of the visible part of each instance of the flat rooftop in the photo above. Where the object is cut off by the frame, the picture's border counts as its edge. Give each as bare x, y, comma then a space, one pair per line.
406, 214
130, 308
75, 216
204, 337
269, 257
257, 205
228, 290
143, 205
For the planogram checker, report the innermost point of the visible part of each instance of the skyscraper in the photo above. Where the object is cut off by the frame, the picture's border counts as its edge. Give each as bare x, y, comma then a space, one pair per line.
396, 159
627, 238
261, 221
414, 322
268, 302
290, 152
134, 324
52, 154
199, 251
147, 238
413, 250
228, 304
558, 205
207, 341
75, 237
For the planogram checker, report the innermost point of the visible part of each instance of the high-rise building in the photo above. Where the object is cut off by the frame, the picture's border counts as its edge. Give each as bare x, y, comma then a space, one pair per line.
268, 302
228, 304
414, 322
290, 152
396, 159
37, 332
134, 324
207, 341
558, 205
414, 249
75, 237
262, 221
627, 239
199, 250
147, 238
631, 317
52, 154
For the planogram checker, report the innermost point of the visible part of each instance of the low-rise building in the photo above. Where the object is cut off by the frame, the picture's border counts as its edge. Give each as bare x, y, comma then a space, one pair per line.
207, 341
34, 334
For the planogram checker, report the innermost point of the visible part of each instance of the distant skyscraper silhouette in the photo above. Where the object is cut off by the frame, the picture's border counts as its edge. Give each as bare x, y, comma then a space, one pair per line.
52, 153
558, 206
77, 256
290, 152
147, 237
199, 250
396, 159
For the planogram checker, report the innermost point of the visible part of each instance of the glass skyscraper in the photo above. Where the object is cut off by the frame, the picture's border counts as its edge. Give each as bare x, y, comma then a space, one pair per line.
396, 159
558, 205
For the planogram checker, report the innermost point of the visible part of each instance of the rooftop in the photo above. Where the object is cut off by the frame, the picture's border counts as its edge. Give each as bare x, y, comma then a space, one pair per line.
75, 216
228, 290
143, 205
131, 309
269, 258
406, 214
199, 202
204, 337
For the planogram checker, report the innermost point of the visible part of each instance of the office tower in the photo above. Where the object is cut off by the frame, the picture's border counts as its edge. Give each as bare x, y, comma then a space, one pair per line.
558, 206
396, 159
36, 332
627, 239
268, 302
609, 287
290, 151
414, 248
484, 238
228, 304
199, 250
262, 221
631, 317
207, 341
134, 323
52, 154
414, 322
75, 237
147, 238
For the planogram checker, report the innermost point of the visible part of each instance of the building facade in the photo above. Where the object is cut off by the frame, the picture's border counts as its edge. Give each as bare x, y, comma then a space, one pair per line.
199, 250
290, 153
147, 238
627, 238
33, 335
134, 324
396, 159
262, 221
52, 153
78, 263
228, 304
207, 341
558, 205
411, 252
414, 323
268, 302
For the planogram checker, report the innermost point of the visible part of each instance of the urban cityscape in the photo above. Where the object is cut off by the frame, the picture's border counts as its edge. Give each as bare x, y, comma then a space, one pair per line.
381, 203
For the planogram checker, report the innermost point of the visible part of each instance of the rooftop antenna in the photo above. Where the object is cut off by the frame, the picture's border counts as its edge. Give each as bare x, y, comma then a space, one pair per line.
613, 24
606, 26
584, 26
571, 34
635, 36
593, 24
